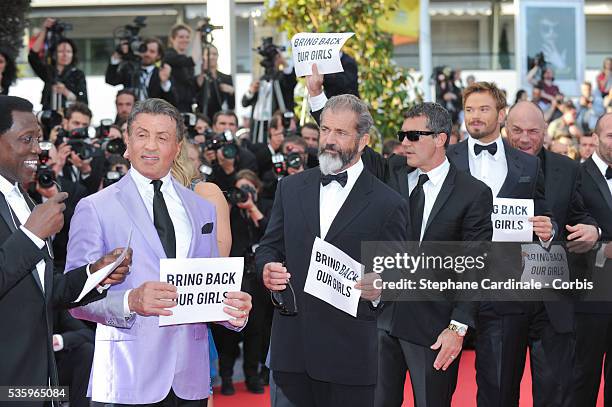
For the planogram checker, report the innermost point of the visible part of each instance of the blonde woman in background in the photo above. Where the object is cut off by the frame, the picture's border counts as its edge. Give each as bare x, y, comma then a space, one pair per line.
185, 172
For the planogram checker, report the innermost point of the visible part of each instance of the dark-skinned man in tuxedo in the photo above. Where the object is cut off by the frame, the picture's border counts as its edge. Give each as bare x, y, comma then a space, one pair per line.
28, 287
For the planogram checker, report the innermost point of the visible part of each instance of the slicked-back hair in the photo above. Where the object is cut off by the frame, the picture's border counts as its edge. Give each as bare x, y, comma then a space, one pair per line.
353, 104
490, 88
157, 107
438, 119
8, 105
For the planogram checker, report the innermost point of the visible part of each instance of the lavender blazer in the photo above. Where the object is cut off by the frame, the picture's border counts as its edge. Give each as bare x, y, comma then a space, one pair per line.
135, 360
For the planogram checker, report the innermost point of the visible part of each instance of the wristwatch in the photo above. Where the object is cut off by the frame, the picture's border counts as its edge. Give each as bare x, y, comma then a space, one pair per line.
459, 330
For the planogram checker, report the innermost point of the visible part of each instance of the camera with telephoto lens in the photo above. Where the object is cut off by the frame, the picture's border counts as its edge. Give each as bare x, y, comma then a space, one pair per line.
55, 34
268, 51
281, 163
104, 128
114, 146
224, 141
129, 34
78, 140
45, 176
240, 195
190, 119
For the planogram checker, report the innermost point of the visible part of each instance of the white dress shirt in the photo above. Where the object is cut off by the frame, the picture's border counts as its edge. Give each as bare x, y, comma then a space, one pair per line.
178, 214
603, 167
20, 208
333, 195
490, 169
431, 188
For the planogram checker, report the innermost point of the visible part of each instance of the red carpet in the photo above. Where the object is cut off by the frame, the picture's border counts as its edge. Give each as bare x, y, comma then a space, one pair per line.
465, 395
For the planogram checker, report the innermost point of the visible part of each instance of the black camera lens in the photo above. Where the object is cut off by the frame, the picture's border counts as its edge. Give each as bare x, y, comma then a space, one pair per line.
236, 195
114, 146
229, 151
45, 176
294, 160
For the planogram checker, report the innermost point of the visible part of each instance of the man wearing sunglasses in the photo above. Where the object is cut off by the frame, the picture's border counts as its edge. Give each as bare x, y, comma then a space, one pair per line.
320, 356
510, 173
446, 205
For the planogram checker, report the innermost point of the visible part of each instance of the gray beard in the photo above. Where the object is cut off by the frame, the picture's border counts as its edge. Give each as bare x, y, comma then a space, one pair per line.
332, 164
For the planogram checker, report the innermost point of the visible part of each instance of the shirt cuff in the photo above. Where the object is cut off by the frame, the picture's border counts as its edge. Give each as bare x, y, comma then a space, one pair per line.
317, 102
600, 257
166, 86
35, 239
100, 288
126, 306
376, 302
546, 244
459, 324
60, 343
115, 61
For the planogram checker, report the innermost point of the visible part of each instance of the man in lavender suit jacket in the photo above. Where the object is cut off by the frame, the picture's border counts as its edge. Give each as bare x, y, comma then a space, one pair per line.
135, 360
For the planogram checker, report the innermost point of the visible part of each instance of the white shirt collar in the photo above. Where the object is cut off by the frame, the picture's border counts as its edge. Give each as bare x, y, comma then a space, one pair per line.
500, 147
353, 172
7, 188
437, 174
603, 167
144, 184
149, 68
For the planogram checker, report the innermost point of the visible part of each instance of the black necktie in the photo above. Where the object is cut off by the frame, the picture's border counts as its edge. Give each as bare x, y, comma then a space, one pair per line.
340, 178
609, 173
162, 221
417, 206
491, 148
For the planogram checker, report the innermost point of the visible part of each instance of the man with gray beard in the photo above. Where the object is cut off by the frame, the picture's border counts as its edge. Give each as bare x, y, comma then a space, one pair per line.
320, 356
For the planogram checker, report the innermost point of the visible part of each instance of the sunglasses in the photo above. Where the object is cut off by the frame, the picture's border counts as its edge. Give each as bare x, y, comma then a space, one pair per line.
285, 301
413, 135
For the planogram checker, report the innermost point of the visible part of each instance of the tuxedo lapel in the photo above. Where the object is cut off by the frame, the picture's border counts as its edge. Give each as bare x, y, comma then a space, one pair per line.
309, 200
5, 212
445, 192
354, 204
514, 171
553, 176
460, 159
599, 180
136, 210
402, 180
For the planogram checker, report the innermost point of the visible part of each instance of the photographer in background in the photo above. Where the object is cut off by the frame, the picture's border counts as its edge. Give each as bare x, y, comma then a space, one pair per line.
546, 82
182, 66
272, 92
63, 80
124, 103
8, 71
80, 161
264, 151
249, 217
139, 71
219, 87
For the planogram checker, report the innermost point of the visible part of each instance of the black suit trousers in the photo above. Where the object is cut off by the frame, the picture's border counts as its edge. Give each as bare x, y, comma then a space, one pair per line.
501, 347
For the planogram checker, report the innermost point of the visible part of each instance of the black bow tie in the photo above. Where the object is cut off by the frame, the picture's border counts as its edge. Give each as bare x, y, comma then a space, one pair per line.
609, 173
491, 148
339, 178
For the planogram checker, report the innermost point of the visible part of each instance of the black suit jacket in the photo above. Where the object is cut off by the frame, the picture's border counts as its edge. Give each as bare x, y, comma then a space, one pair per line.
120, 74
342, 82
461, 213
598, 202
525, 180
322, 341
26, 326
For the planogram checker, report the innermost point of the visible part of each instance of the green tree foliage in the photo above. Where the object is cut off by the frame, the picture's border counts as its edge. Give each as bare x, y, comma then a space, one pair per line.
12, 23
388, 88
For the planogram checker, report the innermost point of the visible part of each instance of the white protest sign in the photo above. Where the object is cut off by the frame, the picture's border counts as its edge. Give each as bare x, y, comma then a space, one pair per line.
510, 220
544, 265
322, 49
332, 275
201, 285
96, 278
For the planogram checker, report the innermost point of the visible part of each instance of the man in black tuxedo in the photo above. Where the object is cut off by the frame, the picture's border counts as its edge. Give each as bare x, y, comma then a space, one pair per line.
323, 356
509, 173
28, 288
594, 319
447, 205
150, 81
552, 354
